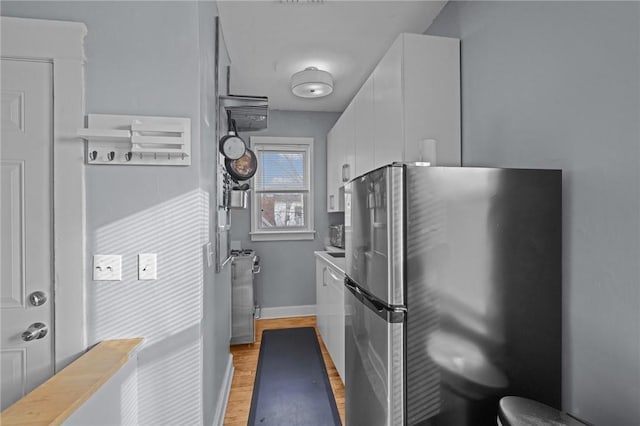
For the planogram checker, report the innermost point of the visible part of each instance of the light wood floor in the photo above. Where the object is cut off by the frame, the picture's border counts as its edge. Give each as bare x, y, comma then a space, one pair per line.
245, 362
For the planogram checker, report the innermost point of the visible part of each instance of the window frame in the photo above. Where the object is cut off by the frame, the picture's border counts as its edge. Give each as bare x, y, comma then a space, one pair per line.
277, 143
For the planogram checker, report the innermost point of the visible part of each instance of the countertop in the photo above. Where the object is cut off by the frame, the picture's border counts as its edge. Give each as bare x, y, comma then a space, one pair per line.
338, 263
56, 399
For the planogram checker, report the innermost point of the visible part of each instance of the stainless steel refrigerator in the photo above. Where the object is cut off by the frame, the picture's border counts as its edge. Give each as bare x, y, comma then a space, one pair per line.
453, 293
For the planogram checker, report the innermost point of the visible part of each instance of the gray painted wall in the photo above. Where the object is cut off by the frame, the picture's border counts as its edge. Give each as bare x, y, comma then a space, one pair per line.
288, 267
216, 324
556, 85
149, 58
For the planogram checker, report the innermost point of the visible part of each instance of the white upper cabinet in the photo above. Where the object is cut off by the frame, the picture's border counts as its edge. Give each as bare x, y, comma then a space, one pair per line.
431, 97
332, 163
340, 158
413, 95
387, 101
347, 169
364, 128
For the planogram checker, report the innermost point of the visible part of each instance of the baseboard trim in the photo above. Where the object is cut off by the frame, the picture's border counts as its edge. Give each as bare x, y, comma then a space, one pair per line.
287, 311
223, 398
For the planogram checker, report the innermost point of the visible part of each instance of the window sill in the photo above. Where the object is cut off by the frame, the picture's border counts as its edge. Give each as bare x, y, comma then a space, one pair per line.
283, 236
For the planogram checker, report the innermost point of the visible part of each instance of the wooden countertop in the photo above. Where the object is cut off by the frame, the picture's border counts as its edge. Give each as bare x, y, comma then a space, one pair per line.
55, 400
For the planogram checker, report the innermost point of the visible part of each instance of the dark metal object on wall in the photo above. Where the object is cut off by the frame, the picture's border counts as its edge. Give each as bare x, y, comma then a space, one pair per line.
244, 167
231, 145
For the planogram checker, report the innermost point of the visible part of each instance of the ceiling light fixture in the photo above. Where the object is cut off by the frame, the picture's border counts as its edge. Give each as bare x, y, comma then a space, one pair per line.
312, 83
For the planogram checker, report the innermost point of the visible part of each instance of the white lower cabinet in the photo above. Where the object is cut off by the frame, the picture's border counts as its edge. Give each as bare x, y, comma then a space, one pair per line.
330, 311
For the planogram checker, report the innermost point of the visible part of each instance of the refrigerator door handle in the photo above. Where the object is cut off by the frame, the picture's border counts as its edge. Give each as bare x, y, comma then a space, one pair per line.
393, 314
377, 305
353, 287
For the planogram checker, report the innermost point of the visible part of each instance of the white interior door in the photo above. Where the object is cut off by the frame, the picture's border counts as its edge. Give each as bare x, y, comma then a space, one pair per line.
26, 227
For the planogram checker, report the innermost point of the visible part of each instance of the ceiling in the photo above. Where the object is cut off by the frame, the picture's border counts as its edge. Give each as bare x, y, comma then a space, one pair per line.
269, 40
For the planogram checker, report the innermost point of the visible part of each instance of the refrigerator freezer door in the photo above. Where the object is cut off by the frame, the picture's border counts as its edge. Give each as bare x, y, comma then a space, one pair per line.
374, 233
374, 367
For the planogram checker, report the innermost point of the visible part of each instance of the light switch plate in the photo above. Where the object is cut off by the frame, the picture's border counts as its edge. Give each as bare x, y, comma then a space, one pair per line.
147, 266
107, 267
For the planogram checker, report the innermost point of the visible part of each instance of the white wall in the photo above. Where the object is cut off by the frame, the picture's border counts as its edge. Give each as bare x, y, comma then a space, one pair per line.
557, 85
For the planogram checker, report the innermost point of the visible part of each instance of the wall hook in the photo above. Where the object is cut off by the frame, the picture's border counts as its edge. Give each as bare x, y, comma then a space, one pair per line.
128, 156
111, 156
93, 155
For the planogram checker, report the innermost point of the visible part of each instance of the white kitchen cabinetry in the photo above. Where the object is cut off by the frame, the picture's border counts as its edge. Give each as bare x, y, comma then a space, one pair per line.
412, 95
364, 128
340, 159
321, 299
388, 134
349, 147
330, 310
333, 161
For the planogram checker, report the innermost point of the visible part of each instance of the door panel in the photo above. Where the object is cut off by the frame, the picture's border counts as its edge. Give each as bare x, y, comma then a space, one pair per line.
374, 234
374, 366
25, 224
365, 134
12, 190
388, 111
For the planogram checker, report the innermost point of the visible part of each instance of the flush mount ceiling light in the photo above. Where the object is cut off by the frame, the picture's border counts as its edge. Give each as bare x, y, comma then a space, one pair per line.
311, 83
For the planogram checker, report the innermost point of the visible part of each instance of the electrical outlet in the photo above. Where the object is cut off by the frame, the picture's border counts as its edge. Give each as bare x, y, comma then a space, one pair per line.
107, 267
147, 266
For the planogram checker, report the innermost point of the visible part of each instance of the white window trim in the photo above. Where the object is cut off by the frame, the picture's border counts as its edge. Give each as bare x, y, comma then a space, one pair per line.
62, 44
284, 235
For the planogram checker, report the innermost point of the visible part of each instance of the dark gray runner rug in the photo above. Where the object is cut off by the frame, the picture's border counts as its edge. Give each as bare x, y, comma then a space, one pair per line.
292, 387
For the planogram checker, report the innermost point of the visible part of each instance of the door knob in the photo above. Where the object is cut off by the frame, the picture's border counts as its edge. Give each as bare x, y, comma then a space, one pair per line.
37, 330
38, 298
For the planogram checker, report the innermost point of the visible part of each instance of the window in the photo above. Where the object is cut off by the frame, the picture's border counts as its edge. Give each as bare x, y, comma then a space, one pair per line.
282, 199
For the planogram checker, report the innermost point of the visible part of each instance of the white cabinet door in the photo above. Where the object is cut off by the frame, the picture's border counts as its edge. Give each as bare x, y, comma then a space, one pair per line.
340, 159
347, 169
332, 159
330, 311
389, 126
327, 334
336, 315
321, 298
364, 128
432, 97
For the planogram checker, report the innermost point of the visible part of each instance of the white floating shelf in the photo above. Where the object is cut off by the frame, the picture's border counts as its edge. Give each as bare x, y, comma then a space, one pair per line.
105, 134
136, 140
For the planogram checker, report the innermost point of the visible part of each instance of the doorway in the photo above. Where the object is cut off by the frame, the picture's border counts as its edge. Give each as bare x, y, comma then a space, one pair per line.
27, 328
42, 195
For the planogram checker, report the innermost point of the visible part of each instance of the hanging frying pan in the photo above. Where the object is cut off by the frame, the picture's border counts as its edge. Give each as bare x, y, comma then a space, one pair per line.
231, 145
244, 167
